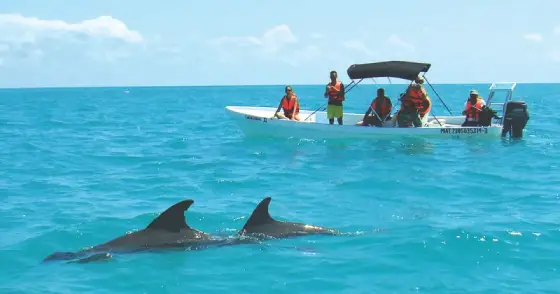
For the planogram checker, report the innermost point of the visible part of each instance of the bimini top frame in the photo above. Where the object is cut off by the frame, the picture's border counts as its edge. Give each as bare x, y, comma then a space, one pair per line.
405, 70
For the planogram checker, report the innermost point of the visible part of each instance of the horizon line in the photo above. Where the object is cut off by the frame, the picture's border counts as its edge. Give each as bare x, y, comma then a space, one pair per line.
242, 85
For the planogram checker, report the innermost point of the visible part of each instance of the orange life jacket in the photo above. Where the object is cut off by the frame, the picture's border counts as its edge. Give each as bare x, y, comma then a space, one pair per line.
288, 105
473, 114
421, 102
333, 94
383, 108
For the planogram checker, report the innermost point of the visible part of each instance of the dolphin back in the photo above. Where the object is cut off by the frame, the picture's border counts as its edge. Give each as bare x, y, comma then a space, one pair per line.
261, 223
172, 219
259, 217
168, 228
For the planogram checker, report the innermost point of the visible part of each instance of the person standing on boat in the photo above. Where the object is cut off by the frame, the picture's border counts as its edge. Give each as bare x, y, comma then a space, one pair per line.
473, 108
417, 95
335, 93
381, 107
290, 104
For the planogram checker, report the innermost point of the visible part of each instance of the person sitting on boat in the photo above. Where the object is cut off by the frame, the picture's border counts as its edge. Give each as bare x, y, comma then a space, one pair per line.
290, 104
381, 107
473, 108
418, 96
407, 116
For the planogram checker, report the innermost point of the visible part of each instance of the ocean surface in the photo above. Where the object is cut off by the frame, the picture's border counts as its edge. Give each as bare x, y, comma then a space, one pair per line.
81, 166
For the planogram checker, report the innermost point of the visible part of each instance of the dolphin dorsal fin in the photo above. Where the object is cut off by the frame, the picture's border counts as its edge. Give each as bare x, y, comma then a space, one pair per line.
172, 219
260, 215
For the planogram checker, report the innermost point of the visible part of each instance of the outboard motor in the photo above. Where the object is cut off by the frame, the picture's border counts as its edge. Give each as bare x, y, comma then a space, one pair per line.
486, 116
515, 119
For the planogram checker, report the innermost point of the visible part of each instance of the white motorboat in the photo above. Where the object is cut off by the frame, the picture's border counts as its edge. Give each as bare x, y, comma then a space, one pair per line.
508, 116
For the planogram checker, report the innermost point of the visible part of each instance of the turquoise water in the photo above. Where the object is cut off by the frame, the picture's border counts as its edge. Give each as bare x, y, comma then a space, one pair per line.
82, 166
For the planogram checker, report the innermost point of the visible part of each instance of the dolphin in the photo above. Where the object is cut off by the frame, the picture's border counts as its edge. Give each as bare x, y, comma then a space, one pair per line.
169, 231
261, 225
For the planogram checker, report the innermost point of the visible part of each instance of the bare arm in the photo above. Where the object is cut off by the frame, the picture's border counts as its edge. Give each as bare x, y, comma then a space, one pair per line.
278, 109
368, 111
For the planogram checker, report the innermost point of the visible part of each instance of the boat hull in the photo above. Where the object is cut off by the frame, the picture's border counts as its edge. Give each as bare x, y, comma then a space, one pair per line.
256, 121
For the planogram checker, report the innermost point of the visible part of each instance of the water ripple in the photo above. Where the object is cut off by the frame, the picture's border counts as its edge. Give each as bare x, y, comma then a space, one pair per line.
82, 166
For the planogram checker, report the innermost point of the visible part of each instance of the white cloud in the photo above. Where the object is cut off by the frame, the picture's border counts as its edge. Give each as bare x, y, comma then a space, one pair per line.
31, 28
241, 41
533, 37
397, 41
271, 40
281, 33
280, 44
30, 38
267, 46
360, 47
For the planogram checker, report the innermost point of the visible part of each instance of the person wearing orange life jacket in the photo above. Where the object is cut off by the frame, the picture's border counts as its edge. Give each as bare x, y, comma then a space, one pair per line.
418, 96
473, 107
335, 93
290, 104
407, 116
382, 106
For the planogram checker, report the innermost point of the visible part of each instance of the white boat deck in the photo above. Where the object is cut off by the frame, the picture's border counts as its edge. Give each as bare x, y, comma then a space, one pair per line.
258, 121
350, 118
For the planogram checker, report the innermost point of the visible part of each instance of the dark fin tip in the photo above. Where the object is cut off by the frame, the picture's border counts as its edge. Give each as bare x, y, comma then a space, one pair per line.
173, 218
260, 215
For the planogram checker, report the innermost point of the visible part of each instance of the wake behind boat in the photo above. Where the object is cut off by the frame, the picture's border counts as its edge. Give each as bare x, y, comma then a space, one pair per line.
504, 117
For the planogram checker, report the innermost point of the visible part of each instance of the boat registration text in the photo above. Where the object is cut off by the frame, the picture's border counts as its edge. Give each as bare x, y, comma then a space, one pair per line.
452, 131
264, 119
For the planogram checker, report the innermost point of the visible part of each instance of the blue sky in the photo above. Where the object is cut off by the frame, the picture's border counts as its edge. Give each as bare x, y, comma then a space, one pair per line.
124, 42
